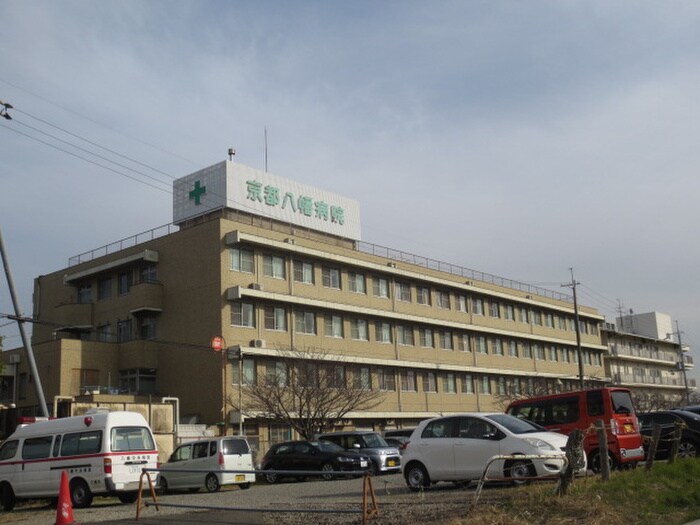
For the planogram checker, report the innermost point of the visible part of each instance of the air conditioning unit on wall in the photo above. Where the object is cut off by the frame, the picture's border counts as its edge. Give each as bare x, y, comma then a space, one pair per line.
258, 343
255, 286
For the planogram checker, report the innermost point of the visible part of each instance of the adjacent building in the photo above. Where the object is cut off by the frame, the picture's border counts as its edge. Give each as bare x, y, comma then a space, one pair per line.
269, 265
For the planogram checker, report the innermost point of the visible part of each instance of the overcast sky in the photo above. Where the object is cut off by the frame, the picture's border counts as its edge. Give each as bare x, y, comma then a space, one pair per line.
515, 138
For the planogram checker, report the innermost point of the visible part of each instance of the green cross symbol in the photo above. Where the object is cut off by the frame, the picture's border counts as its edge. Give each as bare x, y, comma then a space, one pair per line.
197, 192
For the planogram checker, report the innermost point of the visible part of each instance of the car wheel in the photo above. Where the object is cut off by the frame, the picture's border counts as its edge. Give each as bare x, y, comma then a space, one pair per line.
326, 469
211, 483
519, 471
417, 477
80, 494
128, 497
7, 497
594, 461
244, 486
687, 449
271, 477
163, 484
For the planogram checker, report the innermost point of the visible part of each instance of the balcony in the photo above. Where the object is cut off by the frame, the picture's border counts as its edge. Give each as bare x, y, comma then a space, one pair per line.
146, 295
73, 314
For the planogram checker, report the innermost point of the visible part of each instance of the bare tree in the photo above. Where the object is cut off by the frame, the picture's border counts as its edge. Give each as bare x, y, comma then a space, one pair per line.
308, 390
646, 402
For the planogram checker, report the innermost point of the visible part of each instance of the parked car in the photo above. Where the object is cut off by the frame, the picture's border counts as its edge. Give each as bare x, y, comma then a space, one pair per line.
322, 456
695, 409
206, 458
689, 445
400, 442
399, 432
580, 410
458, 448
385, 458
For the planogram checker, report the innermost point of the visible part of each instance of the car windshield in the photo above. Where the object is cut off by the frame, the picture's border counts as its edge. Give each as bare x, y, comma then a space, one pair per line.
516, 425
622, 402
374, 441
327, 446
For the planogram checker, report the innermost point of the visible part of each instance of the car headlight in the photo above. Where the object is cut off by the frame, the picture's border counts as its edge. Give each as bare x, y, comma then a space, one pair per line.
343, 459
539, 443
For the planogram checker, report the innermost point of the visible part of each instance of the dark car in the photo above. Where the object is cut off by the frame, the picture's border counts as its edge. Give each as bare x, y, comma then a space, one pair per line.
320, 456
385, 459
695, 409
689, 444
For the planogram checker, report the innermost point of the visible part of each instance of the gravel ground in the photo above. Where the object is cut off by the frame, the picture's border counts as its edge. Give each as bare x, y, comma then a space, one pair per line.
397, 505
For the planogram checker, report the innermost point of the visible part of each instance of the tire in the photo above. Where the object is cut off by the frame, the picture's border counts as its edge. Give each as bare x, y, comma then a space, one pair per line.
416, 477
519, 471
7, 497
163, 484
271, 478
80, 494
594, 461
211, 483
687, 449
244, 486
326, 468
128, 497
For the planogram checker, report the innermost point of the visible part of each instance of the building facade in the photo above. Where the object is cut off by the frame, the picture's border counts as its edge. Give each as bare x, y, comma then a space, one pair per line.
138, 316
646, 357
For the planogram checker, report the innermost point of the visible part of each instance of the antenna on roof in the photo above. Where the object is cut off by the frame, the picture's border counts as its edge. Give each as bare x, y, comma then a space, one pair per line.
231, 153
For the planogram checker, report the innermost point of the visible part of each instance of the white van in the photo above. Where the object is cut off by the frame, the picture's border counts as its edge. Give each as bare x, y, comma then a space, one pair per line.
103, 453
199, 464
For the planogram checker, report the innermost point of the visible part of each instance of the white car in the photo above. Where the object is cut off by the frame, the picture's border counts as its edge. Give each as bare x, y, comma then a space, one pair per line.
200, 464
457, 448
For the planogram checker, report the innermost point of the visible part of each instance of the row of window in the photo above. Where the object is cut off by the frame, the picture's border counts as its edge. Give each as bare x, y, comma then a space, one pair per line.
125, 279
274, 266
389, 379
243, 314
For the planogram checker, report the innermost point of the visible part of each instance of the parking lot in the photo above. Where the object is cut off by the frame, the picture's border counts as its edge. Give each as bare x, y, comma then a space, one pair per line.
393, 497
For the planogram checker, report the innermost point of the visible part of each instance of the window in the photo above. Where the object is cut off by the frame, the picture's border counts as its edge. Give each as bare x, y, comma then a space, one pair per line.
509, 312
242, 260
461, 303
243, 314
512, 349
560, 322
463, 342
497, 346
386, 379
362, 379
124, 333
383, 332
149, 274
275, 318
104, 288
481, 345
443, 299
79, 443
124, 282
126, 439
429, 382
536, 317
539, 351
549, 320
423, 295
147, 325
450, 383
8, 450
358, 329
273, 266
336, 376
276, 374
484, 385
478, 306
494, 309
356, 282
553, 354
305, 323
37, 448
104, 333
404, 335
85, 294
380, 286
331, 277
408, 381
249, 373
303, 272
523, 315
565, 355
527, 352
501, 386
446, 340
138, 381
467, 384
425, 336
333, 326
403, 291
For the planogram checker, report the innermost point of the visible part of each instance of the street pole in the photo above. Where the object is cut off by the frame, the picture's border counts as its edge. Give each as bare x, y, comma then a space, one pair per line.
23, 333
682, 364
579, 352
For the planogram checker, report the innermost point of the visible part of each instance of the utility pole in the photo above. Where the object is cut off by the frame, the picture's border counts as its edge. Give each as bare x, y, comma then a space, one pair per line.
681, 363
25, 340
579, 353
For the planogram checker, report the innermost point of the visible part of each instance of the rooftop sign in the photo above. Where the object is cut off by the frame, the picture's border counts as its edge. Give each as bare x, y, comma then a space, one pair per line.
240, 187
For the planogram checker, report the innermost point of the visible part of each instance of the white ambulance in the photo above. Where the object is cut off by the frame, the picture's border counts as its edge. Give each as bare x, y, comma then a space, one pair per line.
102, 452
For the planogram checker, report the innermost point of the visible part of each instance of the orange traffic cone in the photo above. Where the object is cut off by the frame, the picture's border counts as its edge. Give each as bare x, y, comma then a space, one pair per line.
64, 511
